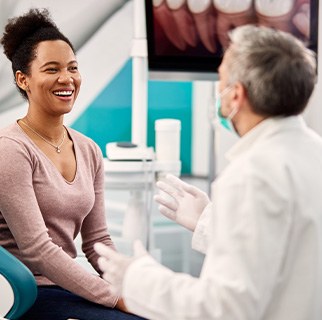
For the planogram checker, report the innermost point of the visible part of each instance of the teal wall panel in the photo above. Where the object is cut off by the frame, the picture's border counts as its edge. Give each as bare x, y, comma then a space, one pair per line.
108, 117
172, 100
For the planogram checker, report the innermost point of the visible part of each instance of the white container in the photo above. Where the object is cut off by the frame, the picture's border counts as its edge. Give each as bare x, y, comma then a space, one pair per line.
135, 220
167, 139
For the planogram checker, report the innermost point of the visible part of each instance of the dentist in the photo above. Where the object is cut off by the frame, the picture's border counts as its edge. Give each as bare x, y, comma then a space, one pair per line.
262, 233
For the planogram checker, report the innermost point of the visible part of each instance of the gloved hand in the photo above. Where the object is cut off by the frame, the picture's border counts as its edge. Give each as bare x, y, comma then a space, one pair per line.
180, 201
114, 264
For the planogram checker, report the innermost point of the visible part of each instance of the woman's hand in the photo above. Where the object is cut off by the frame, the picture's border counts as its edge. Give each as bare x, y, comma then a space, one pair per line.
121, 305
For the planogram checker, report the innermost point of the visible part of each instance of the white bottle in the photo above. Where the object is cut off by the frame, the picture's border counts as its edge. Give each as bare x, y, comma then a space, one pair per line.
167, 139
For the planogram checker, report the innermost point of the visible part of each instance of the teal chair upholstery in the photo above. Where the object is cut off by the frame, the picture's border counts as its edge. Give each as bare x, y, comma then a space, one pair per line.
18, 288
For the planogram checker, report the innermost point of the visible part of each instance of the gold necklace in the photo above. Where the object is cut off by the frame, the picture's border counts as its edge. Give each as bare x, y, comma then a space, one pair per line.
57, 147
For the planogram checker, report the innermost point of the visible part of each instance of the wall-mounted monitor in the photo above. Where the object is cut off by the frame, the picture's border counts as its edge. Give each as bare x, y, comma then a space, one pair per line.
186, 38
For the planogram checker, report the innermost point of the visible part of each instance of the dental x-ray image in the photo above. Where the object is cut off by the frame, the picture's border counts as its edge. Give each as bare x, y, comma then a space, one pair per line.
191, 35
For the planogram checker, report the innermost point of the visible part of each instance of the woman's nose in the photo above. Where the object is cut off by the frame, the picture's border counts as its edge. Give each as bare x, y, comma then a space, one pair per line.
65, 77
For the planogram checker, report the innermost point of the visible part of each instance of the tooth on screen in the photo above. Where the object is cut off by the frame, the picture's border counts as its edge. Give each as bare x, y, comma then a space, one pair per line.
204, 17
231, 14
157, 3
233, 6
175, 4
302, 20
184, 20
198, 6
274, 8
164, 16
275, 14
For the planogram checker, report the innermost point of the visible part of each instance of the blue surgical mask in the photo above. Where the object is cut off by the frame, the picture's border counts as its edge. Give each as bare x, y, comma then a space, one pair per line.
225, 121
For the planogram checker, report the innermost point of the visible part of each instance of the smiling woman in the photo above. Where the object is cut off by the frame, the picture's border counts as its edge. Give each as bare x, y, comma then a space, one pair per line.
53, 188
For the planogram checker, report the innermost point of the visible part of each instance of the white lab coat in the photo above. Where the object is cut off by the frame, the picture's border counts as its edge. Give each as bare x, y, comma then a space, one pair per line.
264, 256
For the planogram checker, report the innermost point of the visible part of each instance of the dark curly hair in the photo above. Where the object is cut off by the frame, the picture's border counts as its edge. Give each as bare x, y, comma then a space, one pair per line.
23, 34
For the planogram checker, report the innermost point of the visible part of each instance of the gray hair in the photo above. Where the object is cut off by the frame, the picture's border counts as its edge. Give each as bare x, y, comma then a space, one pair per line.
277, 70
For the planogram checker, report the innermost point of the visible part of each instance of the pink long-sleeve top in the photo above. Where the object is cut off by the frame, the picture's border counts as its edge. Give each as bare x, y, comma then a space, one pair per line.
41, 213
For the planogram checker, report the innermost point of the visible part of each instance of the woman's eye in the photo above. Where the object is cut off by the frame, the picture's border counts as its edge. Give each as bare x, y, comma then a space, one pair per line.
75, 68
51, 70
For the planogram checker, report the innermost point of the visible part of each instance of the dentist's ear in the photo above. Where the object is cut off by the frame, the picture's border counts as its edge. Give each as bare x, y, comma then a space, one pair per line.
239, 95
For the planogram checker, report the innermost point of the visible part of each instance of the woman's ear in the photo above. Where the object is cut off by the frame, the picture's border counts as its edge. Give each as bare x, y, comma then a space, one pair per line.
21, 81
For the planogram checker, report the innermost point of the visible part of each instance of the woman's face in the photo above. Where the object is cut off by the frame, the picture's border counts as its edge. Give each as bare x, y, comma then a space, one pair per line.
54, 80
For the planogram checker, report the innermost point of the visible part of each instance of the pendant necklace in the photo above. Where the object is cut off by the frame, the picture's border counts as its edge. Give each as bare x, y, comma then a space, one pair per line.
57, 147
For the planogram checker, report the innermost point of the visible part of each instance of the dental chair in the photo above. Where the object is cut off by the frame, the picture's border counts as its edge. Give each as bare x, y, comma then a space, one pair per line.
18, 288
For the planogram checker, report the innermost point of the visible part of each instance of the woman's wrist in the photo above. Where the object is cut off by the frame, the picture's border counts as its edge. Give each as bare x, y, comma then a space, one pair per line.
121, 305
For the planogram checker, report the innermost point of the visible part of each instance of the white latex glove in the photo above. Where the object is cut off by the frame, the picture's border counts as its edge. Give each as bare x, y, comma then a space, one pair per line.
180, 201
114, 264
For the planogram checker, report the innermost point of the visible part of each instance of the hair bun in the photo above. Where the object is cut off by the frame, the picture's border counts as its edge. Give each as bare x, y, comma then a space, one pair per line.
21, 28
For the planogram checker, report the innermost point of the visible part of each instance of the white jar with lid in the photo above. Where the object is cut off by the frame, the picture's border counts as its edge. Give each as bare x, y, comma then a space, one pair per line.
167, 139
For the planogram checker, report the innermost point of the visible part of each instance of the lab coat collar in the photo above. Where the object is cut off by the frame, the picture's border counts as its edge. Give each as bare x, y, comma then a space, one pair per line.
263, 129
